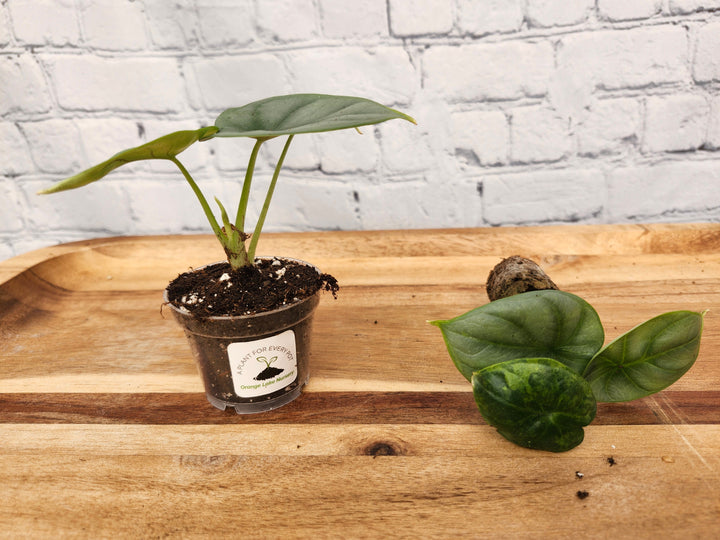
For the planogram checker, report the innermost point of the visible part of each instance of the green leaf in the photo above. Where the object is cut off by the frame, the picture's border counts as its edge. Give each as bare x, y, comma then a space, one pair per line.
647, 359
535, 402
165, 147
302, 113
537, 324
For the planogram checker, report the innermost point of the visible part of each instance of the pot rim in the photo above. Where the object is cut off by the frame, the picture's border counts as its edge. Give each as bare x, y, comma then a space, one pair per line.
252, 315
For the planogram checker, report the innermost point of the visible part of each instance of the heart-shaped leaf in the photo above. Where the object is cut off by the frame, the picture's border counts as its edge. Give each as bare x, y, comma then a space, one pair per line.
166, 147
302, 113
535, 402
647, 359
537, 324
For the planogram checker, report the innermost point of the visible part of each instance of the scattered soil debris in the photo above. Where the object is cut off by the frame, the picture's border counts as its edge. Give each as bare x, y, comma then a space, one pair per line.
611, 461
579, 474
582, 494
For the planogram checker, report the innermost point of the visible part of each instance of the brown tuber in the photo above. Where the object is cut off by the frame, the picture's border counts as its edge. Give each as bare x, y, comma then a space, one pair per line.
516, 275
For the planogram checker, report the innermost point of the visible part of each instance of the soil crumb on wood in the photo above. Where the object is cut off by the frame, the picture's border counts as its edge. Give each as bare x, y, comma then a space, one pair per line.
516, 275
217, 290
582, 494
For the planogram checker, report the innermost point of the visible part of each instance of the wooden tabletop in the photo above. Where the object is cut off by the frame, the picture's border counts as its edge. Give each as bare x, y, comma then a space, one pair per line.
105, 430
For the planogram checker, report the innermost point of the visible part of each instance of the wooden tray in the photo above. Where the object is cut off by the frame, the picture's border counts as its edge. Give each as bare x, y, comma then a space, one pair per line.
106, 432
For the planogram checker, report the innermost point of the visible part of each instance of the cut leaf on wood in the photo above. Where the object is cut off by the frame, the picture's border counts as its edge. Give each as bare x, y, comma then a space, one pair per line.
537, 324
647, 359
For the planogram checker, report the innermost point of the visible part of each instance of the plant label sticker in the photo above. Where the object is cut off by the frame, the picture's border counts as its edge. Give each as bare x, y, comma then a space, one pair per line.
263, 366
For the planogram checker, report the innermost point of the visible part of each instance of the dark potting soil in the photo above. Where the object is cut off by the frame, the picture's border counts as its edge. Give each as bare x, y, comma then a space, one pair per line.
217, 290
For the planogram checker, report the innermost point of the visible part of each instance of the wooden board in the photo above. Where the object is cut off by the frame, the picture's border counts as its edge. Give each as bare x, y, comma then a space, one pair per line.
106, 432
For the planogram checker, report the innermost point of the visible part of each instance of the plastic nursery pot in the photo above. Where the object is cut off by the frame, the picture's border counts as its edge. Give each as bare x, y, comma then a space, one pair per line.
253, 363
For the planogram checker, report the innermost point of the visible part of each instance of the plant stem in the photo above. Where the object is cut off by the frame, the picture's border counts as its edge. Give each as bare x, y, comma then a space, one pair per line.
245, 196
266, 204
203, 202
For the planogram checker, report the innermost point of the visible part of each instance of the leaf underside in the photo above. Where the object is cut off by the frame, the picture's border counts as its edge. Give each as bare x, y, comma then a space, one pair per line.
647, 359
302, 113
537, 324
536, 403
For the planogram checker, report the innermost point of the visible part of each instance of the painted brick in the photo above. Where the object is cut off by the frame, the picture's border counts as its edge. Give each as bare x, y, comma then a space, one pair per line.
8, 246
706, 62
347, 151
682, 7
224, 81
302, 155
625, 85
542, 196
92, 83
23, 88
558, 12
414, 204
16, 156
46, 22
609, 125
405, 149
54, 146
622, 10
675, 123
171, 25
307, 202
384, 74
480, 17
538, 134
5, 34
712, 140
481, 136
273, 17
225, 24
232, 154
419, 17
633, 58
495, 71
105, 137
358, 19
10, 221
180, 210
668, 190
113, 25
102, 206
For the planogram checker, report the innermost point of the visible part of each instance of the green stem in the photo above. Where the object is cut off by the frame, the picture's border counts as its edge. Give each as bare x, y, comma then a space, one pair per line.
203, 202
245, 196
268, 197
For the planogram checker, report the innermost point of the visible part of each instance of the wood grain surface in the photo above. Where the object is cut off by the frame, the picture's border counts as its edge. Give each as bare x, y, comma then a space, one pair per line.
105, 430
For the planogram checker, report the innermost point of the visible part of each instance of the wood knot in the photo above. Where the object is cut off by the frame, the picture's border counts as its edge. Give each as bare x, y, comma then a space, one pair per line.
381, 449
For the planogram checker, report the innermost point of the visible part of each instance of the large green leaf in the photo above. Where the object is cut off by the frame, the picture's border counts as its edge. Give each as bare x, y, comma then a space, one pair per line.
166, 147
535, 402
302, 113
537, 324
647, 359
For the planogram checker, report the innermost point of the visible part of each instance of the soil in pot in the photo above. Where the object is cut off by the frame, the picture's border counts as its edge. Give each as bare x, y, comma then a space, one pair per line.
217, 291
250, 329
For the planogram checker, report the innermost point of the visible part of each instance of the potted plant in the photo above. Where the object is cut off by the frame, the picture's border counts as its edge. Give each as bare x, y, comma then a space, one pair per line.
248, 319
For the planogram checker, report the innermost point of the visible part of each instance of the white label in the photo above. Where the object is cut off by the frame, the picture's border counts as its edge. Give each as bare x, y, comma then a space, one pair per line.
264, 366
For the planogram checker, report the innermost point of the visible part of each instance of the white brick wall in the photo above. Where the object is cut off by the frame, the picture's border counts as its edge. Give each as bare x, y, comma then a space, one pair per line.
529, 111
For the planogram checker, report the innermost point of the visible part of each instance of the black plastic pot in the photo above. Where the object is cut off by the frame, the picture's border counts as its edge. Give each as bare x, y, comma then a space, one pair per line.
253, 363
